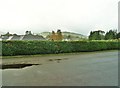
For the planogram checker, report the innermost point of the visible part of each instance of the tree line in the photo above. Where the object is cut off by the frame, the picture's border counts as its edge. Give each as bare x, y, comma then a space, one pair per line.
101, 35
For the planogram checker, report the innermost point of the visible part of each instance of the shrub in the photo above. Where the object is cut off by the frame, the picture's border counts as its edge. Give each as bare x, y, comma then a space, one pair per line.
10, 48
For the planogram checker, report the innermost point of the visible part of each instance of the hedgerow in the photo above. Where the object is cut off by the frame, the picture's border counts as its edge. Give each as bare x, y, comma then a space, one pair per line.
11, 48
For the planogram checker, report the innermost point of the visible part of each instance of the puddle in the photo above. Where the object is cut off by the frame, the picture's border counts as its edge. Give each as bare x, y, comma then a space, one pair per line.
16, 66
58, 60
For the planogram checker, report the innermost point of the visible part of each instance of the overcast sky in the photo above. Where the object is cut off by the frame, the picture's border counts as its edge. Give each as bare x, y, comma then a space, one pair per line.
80, 16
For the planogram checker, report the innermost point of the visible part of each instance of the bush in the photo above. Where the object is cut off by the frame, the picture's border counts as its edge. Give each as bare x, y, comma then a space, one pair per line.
10, 48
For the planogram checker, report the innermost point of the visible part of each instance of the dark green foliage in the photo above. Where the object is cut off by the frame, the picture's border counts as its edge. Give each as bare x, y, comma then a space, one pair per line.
110, 35
118, 35
10, 48
96, 35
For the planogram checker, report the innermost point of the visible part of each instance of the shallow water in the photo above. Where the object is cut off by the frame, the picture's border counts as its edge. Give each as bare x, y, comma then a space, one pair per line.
88, 69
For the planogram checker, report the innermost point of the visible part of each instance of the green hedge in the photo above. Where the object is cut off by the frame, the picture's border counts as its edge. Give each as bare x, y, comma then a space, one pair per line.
10, 48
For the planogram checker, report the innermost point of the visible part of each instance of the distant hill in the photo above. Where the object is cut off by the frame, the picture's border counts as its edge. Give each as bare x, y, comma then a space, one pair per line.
65, 34
45, 34
74, 34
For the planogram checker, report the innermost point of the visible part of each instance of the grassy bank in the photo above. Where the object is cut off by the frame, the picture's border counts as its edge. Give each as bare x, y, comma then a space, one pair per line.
11, 48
